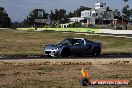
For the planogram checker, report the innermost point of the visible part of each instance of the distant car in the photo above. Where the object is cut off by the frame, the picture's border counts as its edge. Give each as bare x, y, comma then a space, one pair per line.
73, 46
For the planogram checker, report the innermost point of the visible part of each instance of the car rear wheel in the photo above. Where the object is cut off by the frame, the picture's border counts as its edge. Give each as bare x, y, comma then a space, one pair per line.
96, 51
65, 52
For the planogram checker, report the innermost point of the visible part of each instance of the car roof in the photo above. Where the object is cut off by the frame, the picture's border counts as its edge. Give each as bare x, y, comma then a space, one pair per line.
75, 38
79, 38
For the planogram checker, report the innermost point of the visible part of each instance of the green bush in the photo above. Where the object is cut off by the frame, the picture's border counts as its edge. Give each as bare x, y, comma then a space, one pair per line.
75, 25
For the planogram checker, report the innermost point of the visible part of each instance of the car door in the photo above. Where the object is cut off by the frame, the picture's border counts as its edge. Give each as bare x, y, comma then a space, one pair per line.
84, 48
88, 47
79, 47
74, 49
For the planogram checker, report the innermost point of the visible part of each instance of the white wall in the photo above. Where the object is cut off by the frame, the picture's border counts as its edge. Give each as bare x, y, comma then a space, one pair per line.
85, 13
76, 19
110, 31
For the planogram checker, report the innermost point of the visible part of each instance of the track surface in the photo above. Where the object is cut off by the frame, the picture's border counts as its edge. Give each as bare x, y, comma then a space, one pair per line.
4, 57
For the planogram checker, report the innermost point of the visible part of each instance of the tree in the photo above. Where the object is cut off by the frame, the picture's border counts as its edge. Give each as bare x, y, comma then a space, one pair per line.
75, 25
58, 17
125, 0
30, 20
5, 21
70, 15
127, 12
117, 12
77, 13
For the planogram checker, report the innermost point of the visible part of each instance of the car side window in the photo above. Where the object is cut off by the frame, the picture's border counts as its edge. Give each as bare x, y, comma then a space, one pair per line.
87, 41
81, 42
67, 42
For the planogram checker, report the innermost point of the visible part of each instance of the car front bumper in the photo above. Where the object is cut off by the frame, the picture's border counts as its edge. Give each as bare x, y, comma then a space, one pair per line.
53, 53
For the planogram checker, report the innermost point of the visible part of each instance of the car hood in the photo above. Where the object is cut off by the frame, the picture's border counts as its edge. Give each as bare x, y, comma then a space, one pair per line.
51, 46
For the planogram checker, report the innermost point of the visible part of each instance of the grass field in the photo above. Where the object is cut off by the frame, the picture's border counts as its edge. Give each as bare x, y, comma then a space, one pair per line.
62, 73
29, 42
90, 30
59, 73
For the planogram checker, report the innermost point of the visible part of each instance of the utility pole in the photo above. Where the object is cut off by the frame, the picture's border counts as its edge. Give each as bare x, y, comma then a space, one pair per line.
122, 21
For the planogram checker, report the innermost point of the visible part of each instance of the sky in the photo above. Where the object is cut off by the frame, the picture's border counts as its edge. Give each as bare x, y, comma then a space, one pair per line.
19, 9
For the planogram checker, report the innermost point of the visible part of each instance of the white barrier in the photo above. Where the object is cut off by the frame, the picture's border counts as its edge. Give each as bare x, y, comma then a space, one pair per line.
110, 31
4, 28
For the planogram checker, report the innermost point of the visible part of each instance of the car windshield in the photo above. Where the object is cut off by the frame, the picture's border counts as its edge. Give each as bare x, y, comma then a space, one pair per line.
66, 42
72, 42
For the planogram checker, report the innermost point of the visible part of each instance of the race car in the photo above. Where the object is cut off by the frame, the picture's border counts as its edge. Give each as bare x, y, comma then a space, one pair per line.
73, 46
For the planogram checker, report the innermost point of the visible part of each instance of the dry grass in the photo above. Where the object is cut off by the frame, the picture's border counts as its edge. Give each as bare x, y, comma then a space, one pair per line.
61, 73
58, 73
29, 42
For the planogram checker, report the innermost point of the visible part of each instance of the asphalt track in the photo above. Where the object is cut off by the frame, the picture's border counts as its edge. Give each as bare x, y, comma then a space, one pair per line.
107, 56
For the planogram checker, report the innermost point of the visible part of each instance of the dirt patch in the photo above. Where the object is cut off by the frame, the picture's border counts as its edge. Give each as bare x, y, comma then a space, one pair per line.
60, 73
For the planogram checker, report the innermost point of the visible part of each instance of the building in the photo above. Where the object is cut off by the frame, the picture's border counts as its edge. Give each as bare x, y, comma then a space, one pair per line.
101, 14
98, 15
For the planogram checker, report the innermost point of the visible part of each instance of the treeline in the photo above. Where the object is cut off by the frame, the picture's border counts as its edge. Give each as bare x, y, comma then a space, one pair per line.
60, 16
55, 17
5, 21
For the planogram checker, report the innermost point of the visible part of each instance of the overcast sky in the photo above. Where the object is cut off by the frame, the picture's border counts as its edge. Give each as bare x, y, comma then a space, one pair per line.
19, 9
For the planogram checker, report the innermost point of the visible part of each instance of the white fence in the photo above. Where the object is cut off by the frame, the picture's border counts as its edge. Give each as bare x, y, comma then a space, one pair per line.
4, 28
110, 31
